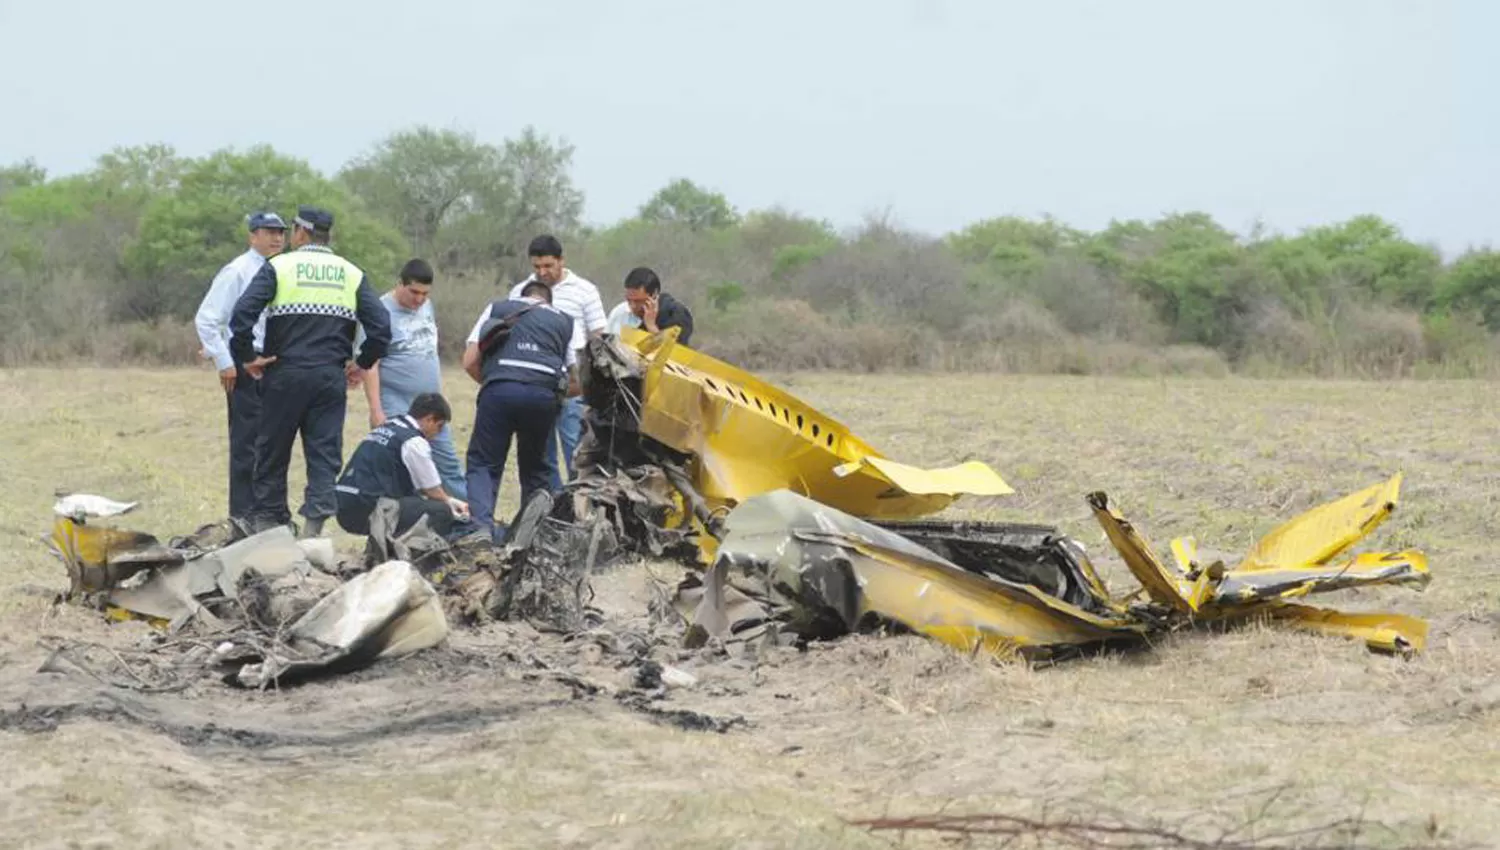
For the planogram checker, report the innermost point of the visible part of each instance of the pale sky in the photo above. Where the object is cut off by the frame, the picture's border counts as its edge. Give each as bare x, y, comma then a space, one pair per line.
943, 112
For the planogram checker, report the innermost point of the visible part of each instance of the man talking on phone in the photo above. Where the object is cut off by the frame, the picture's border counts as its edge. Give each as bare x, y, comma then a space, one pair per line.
648, 308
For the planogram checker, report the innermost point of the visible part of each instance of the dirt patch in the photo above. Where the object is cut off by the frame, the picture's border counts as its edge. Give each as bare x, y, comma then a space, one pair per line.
481, 676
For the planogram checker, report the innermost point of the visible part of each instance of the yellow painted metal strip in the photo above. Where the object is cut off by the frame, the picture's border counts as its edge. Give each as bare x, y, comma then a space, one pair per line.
1164, 585
1384, 631
1326, 531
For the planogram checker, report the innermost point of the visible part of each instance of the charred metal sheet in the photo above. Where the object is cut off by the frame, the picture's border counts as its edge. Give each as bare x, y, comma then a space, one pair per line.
747, 437
1408, 567
1036, 555
388, 612
99, 557
171, 594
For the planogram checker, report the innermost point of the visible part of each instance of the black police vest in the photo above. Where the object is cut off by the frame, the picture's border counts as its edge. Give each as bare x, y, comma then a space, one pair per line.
537, 350
376, 468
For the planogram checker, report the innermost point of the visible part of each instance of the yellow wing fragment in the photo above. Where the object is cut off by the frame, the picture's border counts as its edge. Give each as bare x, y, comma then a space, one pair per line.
1290, 562
1326, 531
1163, 584
749, 437
972, 478
1382, 631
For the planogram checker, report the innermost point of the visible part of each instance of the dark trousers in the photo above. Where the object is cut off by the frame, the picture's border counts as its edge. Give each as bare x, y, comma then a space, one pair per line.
244, 416
354, 513
310, 402
506, 409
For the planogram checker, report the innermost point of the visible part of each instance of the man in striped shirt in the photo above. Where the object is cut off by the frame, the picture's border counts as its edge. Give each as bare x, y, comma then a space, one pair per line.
267, 235
578, 299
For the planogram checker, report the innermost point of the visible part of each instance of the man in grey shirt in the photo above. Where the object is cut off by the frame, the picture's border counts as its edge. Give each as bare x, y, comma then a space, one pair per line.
411, 367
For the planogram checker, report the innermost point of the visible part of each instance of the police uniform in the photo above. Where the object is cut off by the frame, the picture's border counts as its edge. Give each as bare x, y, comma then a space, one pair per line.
393, 461
523, 384
313, 300
212, 321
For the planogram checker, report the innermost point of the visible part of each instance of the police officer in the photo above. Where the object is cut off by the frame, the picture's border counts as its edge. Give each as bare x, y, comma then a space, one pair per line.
394, 461
313, 300
523, 381
267, 235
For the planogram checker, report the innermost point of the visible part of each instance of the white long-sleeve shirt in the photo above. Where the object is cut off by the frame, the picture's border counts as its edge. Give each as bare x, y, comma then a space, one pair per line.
217, 306
416, 454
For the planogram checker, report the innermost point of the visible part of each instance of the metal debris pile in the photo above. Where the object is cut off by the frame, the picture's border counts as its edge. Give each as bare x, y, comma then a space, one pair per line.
260, 610
812, 533
792, 529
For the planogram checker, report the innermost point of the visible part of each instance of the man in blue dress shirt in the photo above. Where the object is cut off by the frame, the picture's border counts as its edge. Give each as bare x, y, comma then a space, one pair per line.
267, 236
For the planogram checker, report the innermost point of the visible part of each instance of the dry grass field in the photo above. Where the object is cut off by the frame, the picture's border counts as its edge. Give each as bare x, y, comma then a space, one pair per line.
459, 748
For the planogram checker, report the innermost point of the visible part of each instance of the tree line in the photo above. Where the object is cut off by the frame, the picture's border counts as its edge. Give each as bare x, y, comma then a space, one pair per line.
108, 266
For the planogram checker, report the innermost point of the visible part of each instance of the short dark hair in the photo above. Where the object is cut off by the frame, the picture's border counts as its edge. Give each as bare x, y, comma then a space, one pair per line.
641, 277
416, 271
537, 289
545, 245
430, 404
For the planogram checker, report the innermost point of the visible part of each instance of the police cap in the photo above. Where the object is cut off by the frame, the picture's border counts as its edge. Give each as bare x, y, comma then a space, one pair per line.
266, 221
314, 218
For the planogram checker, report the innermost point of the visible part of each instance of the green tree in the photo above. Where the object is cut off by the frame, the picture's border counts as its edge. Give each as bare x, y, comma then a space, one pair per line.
422, 179
1013, 247
1371, 253
764, 232
1185, 264
541, 192
684, 202
85, 222
1293, 272
1473, 283
534, 194
20, 176
148, 170
187, 234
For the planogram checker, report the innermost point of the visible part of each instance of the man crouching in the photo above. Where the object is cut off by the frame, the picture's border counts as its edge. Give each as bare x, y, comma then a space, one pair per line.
394, 461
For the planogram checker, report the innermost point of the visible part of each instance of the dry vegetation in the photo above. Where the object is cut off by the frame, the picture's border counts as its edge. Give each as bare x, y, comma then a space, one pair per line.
1200, 731
109, 265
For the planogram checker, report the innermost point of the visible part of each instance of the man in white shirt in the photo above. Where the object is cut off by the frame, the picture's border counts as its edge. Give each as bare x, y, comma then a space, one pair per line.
579, 299
267, 236
394, 461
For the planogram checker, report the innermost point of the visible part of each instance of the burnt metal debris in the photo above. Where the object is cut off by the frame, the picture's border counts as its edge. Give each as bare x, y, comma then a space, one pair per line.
792, 529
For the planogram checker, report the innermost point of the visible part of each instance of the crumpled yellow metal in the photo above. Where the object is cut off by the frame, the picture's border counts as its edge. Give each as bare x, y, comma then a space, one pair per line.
1291, 561
749, 437
973, 614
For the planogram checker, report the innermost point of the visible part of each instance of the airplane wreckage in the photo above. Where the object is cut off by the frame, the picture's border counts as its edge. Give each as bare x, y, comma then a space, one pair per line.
794, 529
